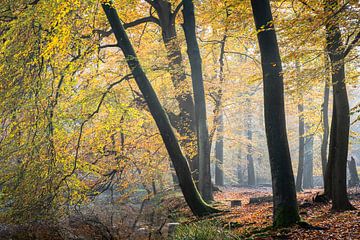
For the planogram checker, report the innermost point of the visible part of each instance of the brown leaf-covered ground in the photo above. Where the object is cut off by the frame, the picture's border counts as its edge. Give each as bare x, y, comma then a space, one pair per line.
253, 221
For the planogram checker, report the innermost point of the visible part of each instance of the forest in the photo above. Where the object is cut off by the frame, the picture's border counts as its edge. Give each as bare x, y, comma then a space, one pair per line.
179, 119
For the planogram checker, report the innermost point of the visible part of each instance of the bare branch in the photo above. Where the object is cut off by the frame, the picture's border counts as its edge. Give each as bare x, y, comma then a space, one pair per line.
177, 9
126, 77
108, 46
103, 33
307, 5
351, 45
106, 33
142, 20
210, 41
246, 55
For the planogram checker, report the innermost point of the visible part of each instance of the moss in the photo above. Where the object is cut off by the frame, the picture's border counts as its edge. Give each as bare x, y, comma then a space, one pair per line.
203, 230
286, 216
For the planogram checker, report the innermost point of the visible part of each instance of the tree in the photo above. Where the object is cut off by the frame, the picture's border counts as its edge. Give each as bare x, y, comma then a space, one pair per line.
325, 118
219, 152
308, 161
354, 178
219, 115
249, 155
191, 195
340, 124
299, 176
193, 52
285, 210
184, 122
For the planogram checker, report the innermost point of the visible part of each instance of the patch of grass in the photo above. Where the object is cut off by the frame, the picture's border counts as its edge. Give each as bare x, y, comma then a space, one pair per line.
203, 230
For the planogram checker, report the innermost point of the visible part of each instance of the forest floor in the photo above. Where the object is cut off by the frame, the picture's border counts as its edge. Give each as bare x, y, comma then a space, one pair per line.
253, 220
247, 221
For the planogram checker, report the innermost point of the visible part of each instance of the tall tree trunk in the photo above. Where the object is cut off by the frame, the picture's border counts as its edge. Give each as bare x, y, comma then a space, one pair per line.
330, 163
308, 162
299, 176
325, 118
219, 152
249, 156
219, 145
187, 185
339, 136
193, 52
184, 122
285, 211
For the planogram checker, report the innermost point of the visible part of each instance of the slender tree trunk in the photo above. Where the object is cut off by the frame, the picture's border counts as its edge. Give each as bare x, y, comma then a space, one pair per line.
299, 176
219, 115
308, 162
285, 211
325, 118
249, 156
187, 185
219, 152
193, 52
339, 137
354, 177
239, 172
330, 163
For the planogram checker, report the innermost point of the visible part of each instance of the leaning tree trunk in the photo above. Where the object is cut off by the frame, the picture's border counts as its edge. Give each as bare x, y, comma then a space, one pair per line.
299, 176
193, 52
285, 211
187, 185
339, 137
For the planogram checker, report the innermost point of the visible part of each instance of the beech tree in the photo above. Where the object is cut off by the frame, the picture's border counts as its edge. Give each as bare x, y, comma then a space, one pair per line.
335, 180
193, 51
285, 211
187, 185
